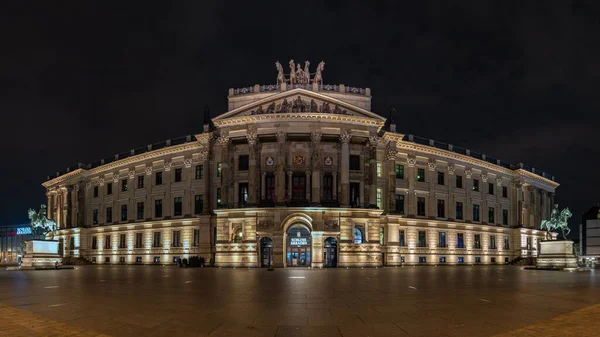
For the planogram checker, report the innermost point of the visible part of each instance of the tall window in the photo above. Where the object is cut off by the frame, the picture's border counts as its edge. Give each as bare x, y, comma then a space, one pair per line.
528, 243
138, 240
124, 185
178, 175
506, 243
107, 242
459, 181
475, 185
379, 198
354, 162
218, 196
95, 191
328, 187
198, 204
399, 171
158, 208
156, 240
477, 241
504, 192
399, 203
441, 208
219, 170
379, 170
440, 176
269, 186
95, 216
421, 206
243, 193
491, 215
475, 212
108, 214
94, 242
359, 234
158, 178
422, 242
176, 238
108, 188
122, 241
177, 206
124, 212
460, 240
491, 188
459, 211
140, 181
505, 217
492, 242
243, 163
196, 241
442, 239
140, 210
199, 172
421, 174
381, 236
401, 238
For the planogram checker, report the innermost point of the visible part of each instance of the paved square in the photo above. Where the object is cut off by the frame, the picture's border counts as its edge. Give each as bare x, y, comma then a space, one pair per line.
410, 301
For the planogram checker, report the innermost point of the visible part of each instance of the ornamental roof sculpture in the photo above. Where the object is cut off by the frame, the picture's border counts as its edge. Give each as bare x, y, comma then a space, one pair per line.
298, 75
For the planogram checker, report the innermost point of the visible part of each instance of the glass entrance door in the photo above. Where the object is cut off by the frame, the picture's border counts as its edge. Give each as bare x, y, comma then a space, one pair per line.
266, 247
298, 246
330, 253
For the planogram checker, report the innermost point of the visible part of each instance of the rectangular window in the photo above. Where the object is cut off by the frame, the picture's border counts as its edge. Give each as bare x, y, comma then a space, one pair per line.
442, 239
178, 175
198, 204
122, 241
158, 208
491, 188
124, 185
158, 178
491, 217
401, 238
123, 212
477, 259
440, 176
461, 259
506, 260
420, 206
138, 240
493, 260
107, 242
422, 259
459, 182
422, 239
243, 193
156, 240
243, 163
95, 191
379, 198
475, 212
399, 203
504, 192
459, 211
475, 185
441, 208
196, 241
94, 242
177, 206
354, 162
107, 260
176, 238
443, 259
140, 181
399, 171
379, 170
506, 245
381, 236
460, 241
199, 172
421, 174
505, 217
492, 242
156, 259
122, 259
108, 188
95, 216
108, 214
477, 241
218, 196
140, 210
219, 170
528, 243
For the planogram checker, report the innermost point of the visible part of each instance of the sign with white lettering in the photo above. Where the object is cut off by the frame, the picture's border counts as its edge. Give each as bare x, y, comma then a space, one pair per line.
24, 231
299, 241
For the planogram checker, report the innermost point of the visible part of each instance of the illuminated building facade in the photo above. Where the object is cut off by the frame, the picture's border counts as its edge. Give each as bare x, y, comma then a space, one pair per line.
11, 242
300, 174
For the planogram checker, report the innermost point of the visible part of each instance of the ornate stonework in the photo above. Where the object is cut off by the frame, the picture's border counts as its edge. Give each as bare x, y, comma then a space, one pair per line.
432, 165
469, 173
411, 160
167, 165
148, 170
451, 169
187, 162
345, 137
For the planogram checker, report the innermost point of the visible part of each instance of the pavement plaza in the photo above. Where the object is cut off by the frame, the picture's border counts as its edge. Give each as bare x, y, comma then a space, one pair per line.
409, 301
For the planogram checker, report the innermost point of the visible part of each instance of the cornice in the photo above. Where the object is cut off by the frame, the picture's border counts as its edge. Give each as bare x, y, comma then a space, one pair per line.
296, 116
522, 172
63, 178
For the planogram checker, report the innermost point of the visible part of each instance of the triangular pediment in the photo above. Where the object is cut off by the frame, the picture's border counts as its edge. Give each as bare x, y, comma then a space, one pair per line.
298, 101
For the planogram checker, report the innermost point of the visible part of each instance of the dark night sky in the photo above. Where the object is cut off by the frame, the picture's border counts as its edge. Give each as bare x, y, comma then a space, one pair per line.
515, 80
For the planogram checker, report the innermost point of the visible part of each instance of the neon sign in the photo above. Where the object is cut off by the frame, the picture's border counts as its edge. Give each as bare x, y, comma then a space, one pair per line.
298, 241
24, 231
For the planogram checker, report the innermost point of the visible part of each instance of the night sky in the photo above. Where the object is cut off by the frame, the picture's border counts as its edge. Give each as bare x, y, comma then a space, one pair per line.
517, 81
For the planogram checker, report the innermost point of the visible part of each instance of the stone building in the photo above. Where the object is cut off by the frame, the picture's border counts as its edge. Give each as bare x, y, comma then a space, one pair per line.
300, 174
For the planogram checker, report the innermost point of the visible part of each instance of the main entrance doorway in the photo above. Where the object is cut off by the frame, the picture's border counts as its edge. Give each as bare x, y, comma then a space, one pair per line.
266, 247
298, 246
330, 253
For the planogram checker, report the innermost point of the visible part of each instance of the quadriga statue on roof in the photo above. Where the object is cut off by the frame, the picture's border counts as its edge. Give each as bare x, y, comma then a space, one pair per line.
558, 221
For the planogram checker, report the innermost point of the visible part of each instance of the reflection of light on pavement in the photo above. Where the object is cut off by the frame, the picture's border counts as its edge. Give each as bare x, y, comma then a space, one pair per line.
411, 287
297, 277
56, 305
50, 287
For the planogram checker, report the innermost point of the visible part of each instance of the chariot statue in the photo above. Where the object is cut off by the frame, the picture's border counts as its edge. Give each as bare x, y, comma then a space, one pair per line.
40, 224
319, 74
280, 75
558, 221
292, 72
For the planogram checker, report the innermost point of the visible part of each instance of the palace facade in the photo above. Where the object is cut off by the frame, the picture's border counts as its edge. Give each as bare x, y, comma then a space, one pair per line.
300, 174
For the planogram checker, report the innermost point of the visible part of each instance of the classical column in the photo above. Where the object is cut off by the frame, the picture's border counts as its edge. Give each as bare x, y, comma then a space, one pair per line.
335, 191
432, 165
224, 142
483, 208
280, 178
289, 191
263, 186
307, 189
252, 137
207, 193
149, 202
345, 168
467, 206
49, 210
168, 201
316, 167
451, 182
411, 160
188, 196
373, 140
390, 155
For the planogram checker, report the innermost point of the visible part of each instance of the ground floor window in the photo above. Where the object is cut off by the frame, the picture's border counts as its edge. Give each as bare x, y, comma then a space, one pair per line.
122, 259
493, 260
107, 260
94, 259
461, 259
477, 259
156, 259
422, 259
442, 259
176, 259
359, 234
138, 259
402, 259
506, 260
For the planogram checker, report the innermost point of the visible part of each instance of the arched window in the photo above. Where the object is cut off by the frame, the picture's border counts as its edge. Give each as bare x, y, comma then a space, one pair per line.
72, 243
359, 234
237, 235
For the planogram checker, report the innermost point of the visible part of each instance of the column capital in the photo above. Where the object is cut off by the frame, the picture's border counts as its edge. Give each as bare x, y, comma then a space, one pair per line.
451, 169
484, 177
390, 154
411, 159
468, 173
281, 137
167, 165
308, 173
289, 173
373, 141
223, 140
252, 137
187, 162
345, 137
432, 165
148, 170
316, 137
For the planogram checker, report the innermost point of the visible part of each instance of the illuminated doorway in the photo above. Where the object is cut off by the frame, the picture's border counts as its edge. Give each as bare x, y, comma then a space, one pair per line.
298, 246
266, 248
330, 253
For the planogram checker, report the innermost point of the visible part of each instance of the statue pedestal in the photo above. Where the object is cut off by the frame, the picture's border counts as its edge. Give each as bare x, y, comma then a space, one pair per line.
555, 254
40, 254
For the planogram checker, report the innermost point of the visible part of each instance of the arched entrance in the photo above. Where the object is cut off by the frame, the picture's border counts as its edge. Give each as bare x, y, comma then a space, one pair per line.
266, 249
298, 246
330, 253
